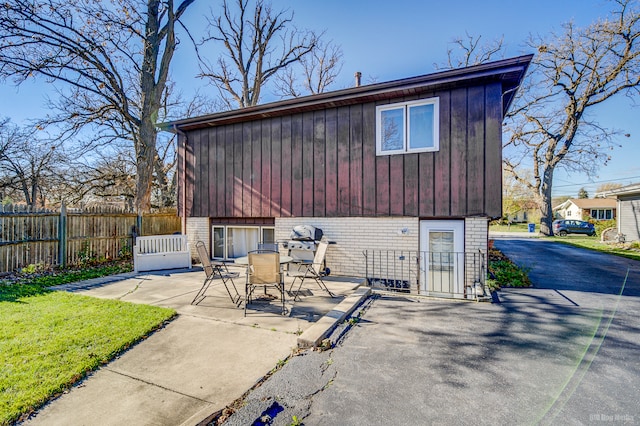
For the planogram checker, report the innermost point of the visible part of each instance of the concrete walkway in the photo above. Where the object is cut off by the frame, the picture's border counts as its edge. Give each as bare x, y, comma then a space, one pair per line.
200, 362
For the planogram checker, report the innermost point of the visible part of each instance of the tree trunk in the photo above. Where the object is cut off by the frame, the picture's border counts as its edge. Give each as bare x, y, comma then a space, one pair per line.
153, 80
546, 219
145, 159
25, 191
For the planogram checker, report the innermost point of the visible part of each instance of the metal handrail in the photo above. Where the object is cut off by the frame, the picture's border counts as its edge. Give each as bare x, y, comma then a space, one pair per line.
458, 274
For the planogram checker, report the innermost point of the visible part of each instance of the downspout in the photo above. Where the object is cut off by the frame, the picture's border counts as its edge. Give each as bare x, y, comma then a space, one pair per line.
183, 224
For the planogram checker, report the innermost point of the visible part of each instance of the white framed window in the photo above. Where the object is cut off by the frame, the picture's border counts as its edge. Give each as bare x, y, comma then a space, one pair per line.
231, 241
602, 214
408, 127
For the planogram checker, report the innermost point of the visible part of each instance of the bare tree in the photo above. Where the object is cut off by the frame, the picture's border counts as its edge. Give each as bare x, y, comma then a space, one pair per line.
391, 133
4, 139
29, 163
517, 196
112, 62
573, 72
165, 194
106, 174
314, 73
470, 50
108, 179
173, 105
5, 147
257, 46
607, 186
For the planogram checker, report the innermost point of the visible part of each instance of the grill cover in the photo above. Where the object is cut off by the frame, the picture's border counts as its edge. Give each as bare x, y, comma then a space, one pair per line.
306, 233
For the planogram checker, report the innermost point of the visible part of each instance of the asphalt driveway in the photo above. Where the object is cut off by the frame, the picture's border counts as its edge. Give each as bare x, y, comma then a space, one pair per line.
565, 352
564, 267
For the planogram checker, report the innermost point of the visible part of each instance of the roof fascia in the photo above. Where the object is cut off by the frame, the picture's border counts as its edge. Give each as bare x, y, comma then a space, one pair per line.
509, 71
625, 190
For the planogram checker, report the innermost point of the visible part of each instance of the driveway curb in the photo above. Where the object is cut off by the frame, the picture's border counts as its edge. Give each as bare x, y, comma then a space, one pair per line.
314, 335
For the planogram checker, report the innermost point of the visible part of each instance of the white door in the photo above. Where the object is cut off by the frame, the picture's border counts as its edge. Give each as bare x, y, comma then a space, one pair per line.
442, 257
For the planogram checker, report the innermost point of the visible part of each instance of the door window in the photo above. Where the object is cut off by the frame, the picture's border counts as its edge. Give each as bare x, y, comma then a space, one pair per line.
441, 261
218, 242
241, 241
268, 235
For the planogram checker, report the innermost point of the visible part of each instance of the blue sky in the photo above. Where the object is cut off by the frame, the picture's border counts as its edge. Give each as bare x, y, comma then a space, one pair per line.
392, 40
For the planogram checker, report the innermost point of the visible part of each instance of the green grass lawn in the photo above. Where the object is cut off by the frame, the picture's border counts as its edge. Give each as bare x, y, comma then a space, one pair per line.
593, 243
515, 227
50, 340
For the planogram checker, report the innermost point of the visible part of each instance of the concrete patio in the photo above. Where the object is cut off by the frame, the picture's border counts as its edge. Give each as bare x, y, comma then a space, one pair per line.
201, 361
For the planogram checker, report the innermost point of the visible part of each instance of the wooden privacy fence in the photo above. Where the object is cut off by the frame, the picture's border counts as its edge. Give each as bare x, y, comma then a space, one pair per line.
69, 236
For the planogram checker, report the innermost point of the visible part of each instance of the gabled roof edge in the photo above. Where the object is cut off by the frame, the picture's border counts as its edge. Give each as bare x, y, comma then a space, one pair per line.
511, 71
625, 190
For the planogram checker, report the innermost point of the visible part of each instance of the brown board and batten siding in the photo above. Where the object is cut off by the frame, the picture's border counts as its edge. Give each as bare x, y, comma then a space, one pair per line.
296, 159
324, 164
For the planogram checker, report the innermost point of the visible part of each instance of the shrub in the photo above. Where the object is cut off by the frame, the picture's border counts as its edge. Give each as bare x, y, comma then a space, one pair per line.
125, 251
601, 225
504, 273
34, 268
29, 284
492, 284
507, 274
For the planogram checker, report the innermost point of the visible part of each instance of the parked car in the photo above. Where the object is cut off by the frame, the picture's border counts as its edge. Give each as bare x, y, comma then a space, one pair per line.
566, 226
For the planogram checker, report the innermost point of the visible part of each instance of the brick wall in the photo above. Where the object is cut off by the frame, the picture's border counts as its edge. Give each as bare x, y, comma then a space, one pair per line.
354, 235
475, 241
198, 229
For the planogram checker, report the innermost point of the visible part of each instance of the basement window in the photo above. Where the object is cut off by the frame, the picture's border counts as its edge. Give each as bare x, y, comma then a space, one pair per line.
407, 127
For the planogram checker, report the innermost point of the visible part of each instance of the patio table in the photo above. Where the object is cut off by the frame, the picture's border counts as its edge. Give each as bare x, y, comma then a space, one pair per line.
244, 260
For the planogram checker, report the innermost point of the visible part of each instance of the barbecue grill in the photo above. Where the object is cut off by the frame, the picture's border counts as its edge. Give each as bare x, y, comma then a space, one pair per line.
303, 241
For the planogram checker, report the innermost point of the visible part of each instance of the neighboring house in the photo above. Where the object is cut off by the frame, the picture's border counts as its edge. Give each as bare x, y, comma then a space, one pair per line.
529, 211
579, 208
628, 204
407, 165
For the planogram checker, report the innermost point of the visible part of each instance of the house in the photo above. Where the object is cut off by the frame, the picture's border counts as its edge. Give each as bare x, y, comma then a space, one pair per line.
580, 208
527, 211
627, 199
411, 165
